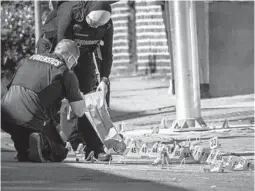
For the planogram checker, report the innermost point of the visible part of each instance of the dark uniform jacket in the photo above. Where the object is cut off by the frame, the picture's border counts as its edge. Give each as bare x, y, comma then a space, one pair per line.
48, 39
69, 20
41, 82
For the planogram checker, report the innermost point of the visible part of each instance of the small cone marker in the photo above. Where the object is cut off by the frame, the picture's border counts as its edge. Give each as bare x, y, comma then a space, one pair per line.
69, 147
118, 128
133, 152
144, 150
155, 130
79, 149
79, 152
154, 153
123, 126
91, 157
163, 124
225, 124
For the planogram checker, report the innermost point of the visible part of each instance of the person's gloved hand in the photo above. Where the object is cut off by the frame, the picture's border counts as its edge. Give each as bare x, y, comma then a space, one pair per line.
67, 110
102, 87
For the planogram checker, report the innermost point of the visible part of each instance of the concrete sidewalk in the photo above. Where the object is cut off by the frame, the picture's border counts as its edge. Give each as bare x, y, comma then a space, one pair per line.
141, 96
141, 103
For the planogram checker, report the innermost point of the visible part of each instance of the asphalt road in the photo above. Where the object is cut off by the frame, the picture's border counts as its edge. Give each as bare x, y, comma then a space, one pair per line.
73, 176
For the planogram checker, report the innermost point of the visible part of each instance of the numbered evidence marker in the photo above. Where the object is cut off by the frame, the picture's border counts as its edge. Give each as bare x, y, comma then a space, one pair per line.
144, 151
218, 157
204, 155
213, 143
176, 153
194, 149
211, 156
242, 164
132, 151
155, 151
216, 162
185, 153
198, 155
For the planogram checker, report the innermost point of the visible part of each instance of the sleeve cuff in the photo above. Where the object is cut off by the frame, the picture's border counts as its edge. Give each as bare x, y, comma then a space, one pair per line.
106, 80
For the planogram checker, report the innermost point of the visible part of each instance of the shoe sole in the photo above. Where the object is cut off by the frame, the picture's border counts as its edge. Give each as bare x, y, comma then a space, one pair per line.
104, 158
35, 153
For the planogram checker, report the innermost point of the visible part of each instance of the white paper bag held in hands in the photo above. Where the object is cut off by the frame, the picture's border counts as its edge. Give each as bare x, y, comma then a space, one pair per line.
97, 114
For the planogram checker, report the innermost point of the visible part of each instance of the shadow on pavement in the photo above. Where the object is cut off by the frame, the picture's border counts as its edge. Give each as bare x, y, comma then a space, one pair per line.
142, 89
120, 115
60, 176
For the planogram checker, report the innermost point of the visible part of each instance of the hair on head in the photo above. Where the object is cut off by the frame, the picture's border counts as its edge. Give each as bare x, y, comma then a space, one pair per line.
67, 46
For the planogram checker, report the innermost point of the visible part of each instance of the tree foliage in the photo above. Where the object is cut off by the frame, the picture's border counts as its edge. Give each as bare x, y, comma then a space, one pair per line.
18, 28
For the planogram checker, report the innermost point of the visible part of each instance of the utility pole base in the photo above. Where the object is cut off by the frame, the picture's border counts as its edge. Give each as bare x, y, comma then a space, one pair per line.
189, 125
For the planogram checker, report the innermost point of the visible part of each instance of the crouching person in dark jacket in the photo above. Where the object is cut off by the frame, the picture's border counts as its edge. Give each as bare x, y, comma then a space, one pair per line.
33, 98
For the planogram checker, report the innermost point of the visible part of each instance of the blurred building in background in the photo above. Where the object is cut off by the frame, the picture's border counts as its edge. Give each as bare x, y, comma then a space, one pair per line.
140, 42
141, 39
225, 43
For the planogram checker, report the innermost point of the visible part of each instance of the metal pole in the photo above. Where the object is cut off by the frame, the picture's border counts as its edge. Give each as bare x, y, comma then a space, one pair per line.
169, 42
185, 56
194, 59
38, 21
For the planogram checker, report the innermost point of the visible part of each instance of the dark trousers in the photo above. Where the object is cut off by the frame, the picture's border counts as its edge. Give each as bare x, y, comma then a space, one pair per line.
20, 138
83, 131
54, 148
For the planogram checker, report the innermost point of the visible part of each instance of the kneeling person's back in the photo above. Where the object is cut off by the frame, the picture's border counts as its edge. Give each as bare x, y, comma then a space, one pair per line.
38, 87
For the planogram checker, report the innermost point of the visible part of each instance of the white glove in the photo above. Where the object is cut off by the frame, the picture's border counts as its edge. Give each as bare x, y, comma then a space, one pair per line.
102, 87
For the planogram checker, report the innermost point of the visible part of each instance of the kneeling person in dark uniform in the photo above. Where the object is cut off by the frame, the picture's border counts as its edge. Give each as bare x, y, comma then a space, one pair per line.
89, 24
33, 99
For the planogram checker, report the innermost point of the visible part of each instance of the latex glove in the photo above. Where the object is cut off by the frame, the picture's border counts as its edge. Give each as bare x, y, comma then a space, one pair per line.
102, 87
64, 105
66, 108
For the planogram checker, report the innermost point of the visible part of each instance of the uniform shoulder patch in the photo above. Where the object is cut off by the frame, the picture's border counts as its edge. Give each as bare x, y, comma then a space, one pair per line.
46, 59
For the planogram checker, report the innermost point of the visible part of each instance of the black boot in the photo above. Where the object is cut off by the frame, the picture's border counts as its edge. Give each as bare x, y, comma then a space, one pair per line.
36, 145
